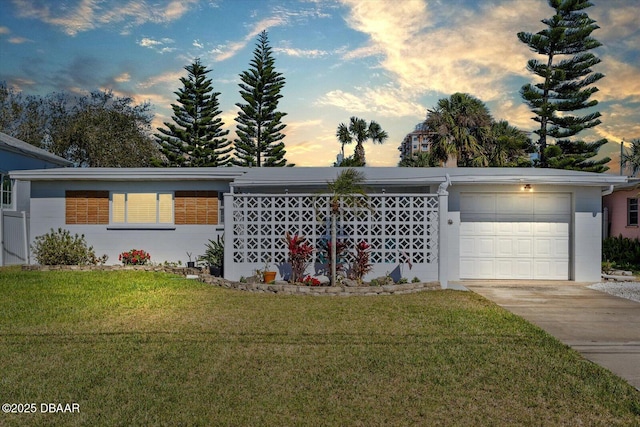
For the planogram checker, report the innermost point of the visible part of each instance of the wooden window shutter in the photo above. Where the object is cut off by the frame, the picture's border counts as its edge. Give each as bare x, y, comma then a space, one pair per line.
196, 207
86, 207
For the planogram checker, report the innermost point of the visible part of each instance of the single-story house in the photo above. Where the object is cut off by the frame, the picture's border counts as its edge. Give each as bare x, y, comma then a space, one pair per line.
18, 155
431, 223
621, 210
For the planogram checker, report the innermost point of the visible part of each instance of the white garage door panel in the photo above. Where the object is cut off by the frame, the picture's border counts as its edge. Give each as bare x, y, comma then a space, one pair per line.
550, 270
479, 203
553, 204
514, 236
514, 204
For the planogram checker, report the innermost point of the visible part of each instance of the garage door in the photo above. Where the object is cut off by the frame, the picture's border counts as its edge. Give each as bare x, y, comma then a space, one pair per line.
514, 236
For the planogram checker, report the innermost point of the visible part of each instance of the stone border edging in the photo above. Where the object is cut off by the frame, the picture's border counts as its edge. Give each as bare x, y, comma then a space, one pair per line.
283, 288
288, 289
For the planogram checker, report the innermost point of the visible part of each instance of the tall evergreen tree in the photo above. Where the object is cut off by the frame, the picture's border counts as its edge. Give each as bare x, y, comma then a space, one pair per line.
567, 82
196, 137
259, 141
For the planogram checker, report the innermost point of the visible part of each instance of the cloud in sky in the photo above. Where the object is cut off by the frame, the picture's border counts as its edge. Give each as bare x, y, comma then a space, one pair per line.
383, 101
306, 53
160, 46
425, 55
233, 48
90, 14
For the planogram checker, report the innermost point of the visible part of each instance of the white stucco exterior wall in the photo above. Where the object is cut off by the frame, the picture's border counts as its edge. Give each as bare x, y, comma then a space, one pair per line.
587, 234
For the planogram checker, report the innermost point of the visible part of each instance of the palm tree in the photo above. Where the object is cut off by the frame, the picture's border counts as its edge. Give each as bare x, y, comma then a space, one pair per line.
424, 159
359, 131
631, 158
507, 146
459, 124
347, 190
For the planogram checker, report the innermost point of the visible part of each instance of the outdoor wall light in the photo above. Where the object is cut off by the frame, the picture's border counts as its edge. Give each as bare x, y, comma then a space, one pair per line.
527, 187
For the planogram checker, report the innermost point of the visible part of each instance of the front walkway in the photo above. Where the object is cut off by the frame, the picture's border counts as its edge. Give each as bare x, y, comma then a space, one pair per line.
603, 328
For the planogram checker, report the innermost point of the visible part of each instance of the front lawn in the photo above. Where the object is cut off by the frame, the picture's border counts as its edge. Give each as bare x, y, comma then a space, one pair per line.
139, 348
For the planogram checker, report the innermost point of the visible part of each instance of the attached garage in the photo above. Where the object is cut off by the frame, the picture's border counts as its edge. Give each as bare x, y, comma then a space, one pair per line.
522, 235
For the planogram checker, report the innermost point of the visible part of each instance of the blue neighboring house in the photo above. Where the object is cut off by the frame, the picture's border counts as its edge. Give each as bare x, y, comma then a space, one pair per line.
14, 211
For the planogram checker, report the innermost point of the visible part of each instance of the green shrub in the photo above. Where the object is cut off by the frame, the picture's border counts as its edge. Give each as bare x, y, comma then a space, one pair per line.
622, 251
61, 248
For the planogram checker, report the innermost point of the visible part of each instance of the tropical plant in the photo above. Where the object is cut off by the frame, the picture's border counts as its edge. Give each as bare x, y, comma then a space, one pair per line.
359, 131
259, 128
423, 159
567, 83
631, 158
134, 257
214, 254
300, 252
362, 262
59, 247
345, 192
459, 124
507, 146
196, 137
326, 255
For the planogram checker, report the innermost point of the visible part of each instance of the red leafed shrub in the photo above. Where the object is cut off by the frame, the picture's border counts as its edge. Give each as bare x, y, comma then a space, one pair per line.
134, 257
362, 261
299, 255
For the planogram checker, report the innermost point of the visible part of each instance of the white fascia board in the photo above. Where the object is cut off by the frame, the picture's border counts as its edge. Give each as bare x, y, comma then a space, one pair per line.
129, 174
592, 180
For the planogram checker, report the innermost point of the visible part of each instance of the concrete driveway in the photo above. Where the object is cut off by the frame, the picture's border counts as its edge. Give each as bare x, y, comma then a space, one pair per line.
603, 328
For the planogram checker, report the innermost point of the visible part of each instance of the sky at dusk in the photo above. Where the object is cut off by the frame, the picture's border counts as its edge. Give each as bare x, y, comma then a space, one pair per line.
383, 60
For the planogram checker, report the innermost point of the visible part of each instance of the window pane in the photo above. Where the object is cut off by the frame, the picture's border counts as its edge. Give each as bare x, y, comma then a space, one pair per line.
117, 208
141, 208
165, 207
632, 205
6, 190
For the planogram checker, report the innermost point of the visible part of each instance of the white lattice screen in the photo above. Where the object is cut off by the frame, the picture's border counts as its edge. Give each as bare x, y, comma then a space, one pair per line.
400, 228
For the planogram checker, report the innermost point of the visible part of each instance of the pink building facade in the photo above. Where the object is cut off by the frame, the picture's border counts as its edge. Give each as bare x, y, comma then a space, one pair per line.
622, 214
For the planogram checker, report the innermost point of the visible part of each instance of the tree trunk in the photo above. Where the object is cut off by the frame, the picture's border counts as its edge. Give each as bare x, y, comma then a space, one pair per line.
334, 239
359, 153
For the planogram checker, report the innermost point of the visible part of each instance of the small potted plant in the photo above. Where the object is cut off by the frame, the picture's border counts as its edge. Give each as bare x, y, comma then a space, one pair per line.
214, 256
268, 276
190, 264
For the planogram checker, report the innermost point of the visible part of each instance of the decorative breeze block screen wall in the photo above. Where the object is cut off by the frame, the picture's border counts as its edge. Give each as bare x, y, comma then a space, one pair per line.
400, 228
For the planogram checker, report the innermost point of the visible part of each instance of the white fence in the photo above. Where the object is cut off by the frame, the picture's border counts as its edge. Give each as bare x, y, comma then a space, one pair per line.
402, 230
14, 237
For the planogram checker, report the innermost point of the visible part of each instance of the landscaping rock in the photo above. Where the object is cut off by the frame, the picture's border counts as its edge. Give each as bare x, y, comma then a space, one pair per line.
383, 281
350, 283
324, 280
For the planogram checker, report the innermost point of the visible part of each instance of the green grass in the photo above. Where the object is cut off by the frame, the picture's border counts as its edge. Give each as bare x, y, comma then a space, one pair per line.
136, 348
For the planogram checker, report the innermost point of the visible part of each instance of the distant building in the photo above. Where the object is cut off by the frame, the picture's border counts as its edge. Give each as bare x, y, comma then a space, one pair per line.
415, 142
419, 141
